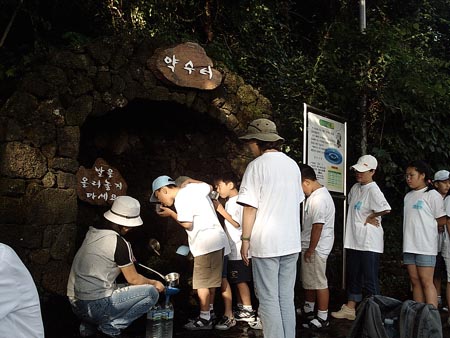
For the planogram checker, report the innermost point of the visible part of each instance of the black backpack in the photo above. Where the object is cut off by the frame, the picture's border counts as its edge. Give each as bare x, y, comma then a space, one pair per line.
419, 320
409, 319
371, 315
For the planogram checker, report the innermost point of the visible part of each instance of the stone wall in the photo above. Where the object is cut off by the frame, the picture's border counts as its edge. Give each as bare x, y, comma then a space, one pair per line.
40, 131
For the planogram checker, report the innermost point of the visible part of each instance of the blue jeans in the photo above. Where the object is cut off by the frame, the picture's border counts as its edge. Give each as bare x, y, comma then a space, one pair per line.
274, 281
111, 314
362, 273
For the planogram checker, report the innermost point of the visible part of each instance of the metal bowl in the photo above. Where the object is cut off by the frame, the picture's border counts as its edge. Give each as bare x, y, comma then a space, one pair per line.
172, 279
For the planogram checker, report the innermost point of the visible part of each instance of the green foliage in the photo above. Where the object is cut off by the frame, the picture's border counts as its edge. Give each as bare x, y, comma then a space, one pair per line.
398, 64
295, 52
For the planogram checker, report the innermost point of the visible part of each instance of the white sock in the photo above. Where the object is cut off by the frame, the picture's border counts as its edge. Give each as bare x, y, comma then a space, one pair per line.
308, 307
247, 307
322, 314
205, 315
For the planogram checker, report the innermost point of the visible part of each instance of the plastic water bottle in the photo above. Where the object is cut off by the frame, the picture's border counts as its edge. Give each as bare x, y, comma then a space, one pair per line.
160, 322
154, 322
389, 328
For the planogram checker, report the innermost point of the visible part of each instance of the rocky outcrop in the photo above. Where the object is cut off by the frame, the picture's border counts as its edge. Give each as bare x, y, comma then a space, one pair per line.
40, 139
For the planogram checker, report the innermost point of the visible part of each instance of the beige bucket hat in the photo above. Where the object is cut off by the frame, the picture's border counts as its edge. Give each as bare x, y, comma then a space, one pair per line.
263, 130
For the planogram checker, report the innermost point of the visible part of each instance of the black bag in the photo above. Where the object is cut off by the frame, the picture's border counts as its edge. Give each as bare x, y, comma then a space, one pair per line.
371, 316
419, 320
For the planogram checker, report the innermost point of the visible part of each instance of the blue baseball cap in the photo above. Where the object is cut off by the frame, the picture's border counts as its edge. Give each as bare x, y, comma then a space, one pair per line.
158, 183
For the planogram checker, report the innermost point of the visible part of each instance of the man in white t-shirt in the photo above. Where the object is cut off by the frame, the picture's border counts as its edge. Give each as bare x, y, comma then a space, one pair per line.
271, 194
20, 309
317, 242
208, 242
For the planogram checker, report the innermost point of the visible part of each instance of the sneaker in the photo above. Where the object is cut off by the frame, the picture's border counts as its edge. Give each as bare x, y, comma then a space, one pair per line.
245, 316
199, 324
256, 324
225, 323
344, 313
442, 308
317, 324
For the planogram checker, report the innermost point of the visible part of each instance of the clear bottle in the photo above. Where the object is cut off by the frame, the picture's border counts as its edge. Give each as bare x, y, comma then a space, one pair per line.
160, 321
168, 314
390, 329
154, 322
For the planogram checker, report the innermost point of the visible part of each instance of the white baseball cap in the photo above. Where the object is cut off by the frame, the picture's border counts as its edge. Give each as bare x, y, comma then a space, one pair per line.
365, 163
441, 175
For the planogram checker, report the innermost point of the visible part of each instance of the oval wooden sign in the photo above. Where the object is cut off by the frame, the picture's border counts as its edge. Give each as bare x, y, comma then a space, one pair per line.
186, 65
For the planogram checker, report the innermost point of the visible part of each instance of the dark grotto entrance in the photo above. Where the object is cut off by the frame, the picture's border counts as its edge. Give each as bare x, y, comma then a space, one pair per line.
177, 141
142, 141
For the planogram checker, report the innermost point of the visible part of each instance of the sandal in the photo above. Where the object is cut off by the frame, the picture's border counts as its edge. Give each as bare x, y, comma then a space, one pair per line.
199, 324
317, 324
306, 317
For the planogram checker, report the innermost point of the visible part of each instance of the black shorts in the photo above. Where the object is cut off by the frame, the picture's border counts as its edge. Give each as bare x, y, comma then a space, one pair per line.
238, 272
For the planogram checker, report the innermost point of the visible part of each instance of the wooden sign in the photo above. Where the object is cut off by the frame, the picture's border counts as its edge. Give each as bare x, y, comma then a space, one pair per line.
185, 65
101, 184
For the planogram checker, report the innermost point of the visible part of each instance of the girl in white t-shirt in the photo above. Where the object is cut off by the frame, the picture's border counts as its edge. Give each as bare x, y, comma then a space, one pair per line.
363, 238
423, 213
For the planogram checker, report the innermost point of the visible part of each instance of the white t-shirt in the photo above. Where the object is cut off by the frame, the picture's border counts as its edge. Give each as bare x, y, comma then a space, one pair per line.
272, 184
363, 200
319, 208
193, 205
20, 309
442, 235
420, 211
446, 243
234, 234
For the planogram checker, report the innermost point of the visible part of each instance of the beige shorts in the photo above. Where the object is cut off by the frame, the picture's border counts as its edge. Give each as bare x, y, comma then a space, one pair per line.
208, 270
314, 272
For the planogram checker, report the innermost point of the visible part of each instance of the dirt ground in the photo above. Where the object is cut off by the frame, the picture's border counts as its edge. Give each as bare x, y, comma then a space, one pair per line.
60, 322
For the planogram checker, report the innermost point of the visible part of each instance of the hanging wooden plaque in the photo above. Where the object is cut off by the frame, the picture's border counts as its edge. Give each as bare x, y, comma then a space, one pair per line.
101, 184
185, 65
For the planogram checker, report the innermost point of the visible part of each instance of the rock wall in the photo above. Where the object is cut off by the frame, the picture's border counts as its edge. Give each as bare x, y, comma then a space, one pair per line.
40, 135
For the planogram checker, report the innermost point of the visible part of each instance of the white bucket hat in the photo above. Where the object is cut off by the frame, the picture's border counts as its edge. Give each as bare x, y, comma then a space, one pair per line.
125, 211
263, 130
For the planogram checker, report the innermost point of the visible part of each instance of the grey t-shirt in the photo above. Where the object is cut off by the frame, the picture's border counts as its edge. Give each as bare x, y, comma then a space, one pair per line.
97, 264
